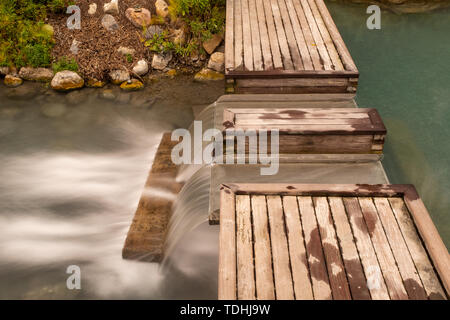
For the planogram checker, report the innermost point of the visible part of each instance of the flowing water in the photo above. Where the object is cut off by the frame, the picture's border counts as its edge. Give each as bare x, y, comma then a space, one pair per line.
72, 168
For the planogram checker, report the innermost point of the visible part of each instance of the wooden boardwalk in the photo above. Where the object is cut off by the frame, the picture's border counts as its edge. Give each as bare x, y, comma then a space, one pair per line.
329, 242
285, 46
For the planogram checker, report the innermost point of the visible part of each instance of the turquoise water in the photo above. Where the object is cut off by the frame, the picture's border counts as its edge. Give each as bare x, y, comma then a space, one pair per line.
405, 74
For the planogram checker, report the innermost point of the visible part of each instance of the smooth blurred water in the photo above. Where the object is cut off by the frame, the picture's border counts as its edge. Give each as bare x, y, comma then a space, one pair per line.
405, 74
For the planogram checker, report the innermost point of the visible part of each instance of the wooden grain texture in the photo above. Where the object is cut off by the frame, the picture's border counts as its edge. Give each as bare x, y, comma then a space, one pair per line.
265, 289
281, 34
382, 248
238, 36
280, 251
256, 39
244, 247
335, 266
423, 264
273, 37
297, 250
355, 273
374, 276
227, 246
411, 279
229, 36
264, 37
247, 37
318, 270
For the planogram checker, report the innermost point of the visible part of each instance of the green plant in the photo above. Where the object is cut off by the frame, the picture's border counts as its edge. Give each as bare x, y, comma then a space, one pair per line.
203, 17
22, 40
65, 64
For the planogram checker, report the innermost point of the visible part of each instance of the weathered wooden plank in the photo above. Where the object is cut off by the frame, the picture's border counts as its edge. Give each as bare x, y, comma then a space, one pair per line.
372, 270
332, 52
336, 36
318, 270
325, 58
312, 48
411, 280
424, 267
282, 40
264, 36
297, 250
238, 36
386, 259
256, 40
293, 82
290, 37
292, 122
429, 234
336, 269
263, 254
247, 37
280, 252
352, 262
299, 37
244, 247
273, 37
227, 245
229, 36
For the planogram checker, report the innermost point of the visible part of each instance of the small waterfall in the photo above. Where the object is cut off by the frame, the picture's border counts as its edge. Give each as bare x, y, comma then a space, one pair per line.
190, 209
207, 118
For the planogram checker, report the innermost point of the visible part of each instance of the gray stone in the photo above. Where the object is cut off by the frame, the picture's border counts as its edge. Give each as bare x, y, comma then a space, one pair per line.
141, 67
126, 51
151, 31
4, 71
74, 46
217, 61
92, 9
139, 17
111, 7
67, 80
76, 97
162, 9
12, 81
109, 23
161, 60
119, 76
36, 74
211, 44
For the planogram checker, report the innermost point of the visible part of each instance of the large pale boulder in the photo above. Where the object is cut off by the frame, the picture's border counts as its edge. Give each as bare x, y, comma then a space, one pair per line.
12, 81
161, 60
67, 80
141, 67
139, 17
36, 74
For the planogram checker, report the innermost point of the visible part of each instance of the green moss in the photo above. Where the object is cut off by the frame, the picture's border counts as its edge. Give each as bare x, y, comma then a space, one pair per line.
161, 43
23, 41
65, 64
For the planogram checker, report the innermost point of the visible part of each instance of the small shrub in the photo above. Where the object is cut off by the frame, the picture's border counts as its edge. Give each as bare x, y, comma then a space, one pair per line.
65, 64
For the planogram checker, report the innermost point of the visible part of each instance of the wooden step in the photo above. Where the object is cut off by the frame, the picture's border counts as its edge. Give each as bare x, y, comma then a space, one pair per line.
311, 130
285, 46
318, 241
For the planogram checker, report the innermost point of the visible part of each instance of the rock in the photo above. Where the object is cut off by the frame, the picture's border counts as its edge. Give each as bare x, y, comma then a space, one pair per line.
4, 71
112, 7
132, 85
162, 9
67, 80
108, 94
12, 81
53, 110
208, 75
92, 9
141, 67
74, 46
151, 31
48, 29
126, 51
139, 17
171, 73
109, 22
36, 74
179, 37
95, 83
211, 44
161, 60
76, 97
119, 76
217, 61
